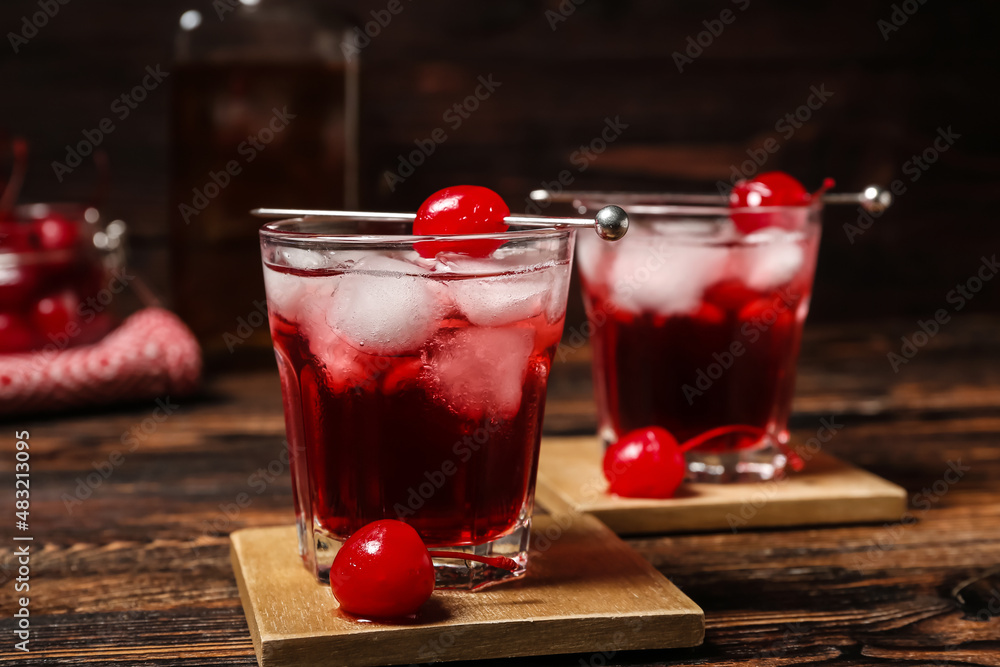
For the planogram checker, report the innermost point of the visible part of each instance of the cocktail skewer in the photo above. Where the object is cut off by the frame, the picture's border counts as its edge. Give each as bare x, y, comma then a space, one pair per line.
610, 223
873, 198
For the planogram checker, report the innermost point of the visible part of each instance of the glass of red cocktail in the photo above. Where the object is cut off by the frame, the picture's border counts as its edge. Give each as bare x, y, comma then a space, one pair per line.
414, 386
696, 319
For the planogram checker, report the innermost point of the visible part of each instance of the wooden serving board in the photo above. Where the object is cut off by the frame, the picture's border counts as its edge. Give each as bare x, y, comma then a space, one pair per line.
827, 491
585, 590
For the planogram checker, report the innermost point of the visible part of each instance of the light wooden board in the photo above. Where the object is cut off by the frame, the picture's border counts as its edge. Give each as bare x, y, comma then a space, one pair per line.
585, 590
827, 491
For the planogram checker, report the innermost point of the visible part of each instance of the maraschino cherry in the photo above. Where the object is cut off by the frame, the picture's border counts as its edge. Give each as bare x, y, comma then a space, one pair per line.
460, 209
384, 571
772, 188
53, 314
648, 462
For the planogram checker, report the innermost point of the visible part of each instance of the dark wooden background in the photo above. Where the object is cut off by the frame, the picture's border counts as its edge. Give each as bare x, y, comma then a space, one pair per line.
609, 58
133, 570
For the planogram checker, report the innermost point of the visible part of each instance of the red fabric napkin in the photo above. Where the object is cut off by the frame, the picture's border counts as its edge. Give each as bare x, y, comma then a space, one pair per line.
151, 354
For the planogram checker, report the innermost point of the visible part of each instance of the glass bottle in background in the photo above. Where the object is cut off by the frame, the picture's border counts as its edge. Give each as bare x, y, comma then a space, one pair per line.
263, 113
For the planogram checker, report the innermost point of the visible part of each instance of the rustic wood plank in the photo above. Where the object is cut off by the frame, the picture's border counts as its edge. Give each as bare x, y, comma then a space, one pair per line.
585, 590
139, 572
828, 491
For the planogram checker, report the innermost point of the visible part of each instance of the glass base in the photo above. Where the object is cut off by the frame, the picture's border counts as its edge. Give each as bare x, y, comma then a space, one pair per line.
758, 464
470, 575
766, 461
448, 573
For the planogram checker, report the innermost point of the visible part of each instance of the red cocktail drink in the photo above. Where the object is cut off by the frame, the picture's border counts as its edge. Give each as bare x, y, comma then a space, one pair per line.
696, 326
414, 387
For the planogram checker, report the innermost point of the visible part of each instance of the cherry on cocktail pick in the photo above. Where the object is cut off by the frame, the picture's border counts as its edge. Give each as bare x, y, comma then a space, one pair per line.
772, 188
384, 571
648, 462
460, 209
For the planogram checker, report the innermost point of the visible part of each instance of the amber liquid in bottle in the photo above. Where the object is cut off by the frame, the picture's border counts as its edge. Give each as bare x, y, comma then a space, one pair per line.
248, 135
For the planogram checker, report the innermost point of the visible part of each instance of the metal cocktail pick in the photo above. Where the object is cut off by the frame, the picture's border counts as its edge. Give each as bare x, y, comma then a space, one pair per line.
610, 223
873, 198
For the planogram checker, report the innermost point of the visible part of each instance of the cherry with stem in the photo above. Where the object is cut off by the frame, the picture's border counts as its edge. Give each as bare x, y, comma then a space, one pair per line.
501, 562
794, 460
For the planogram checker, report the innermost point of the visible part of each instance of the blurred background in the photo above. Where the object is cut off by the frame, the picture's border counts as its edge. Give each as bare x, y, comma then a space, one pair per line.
260, 99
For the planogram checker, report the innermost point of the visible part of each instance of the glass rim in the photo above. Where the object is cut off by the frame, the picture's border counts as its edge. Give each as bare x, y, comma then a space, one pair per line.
278, 231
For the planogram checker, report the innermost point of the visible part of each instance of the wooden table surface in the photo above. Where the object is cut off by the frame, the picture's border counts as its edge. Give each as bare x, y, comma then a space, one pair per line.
129, 515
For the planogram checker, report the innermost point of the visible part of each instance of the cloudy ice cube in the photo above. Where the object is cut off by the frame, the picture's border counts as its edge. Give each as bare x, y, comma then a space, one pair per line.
285, 292
479, 372
668, 278
341, 363
773, 259
382, 308
555, 303
591, 251
499, 300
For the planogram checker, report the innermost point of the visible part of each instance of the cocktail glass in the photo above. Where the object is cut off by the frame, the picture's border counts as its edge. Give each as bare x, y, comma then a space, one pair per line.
414, 387
696, 326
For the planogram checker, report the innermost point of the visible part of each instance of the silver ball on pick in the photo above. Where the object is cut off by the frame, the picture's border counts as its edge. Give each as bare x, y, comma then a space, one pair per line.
611, 223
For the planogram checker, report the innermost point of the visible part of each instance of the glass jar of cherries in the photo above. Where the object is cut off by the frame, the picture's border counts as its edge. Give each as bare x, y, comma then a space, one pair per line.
57, 284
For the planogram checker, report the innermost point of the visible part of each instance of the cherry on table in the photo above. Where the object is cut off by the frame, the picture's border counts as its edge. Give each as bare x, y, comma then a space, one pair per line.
645, 463
648, 462
460, 209
384, 570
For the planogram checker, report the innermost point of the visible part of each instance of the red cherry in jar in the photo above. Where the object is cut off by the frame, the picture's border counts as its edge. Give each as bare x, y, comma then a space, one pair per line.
460, 210
53, 314
16, 335
56, 232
